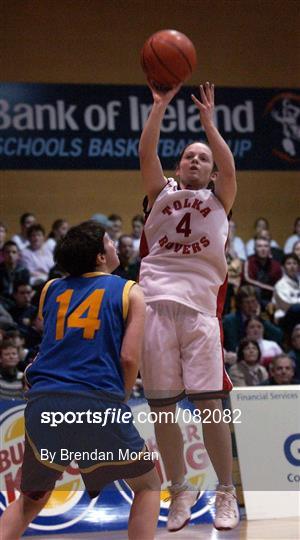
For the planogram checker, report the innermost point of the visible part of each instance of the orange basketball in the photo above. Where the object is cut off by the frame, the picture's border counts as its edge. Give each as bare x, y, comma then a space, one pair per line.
168, 58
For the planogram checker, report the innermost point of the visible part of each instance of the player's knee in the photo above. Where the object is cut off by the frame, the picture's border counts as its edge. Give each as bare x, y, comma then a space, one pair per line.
28, 503
147, 482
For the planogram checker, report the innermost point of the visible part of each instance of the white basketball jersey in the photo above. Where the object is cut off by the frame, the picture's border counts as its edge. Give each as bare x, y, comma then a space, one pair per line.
184, 244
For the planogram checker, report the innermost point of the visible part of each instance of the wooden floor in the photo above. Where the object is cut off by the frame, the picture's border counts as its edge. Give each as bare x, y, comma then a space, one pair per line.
275, 529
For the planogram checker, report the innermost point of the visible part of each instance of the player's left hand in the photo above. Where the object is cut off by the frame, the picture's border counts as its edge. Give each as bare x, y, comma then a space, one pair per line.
206, 106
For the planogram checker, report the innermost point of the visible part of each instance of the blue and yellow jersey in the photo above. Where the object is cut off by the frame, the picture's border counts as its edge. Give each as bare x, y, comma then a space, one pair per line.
84, 324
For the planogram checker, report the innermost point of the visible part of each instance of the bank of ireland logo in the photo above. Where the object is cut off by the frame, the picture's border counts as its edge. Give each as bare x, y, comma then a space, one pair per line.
199, 471
284, 110
69, 502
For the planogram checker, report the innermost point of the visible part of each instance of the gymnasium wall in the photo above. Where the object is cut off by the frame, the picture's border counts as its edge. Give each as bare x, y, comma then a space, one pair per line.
239, 43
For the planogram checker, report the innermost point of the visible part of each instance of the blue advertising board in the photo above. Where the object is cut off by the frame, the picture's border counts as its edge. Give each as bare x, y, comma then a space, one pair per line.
84, 126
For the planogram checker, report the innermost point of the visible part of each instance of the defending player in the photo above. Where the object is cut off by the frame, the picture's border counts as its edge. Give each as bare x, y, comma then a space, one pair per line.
88, 361
183, 275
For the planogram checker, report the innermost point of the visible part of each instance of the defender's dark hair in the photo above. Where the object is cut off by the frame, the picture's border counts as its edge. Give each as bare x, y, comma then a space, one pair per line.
76, 253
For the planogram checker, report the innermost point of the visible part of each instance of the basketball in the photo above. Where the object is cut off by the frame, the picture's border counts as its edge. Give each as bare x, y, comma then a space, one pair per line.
168, 58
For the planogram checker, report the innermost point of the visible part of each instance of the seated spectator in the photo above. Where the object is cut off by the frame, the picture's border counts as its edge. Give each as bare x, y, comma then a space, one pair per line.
11, 269
294, 352
296, 249
276, 252
261, 271
234, 268
34, 334
22, 309
137, 224
287, 289
17, 339
103, 220
129, 267
295, 237
26, 220
234, 323
248, 371
282, 371
59, 229
260, 224
11, 385
268, 348
237, 248
37, 256
3, 231
6, 320
115, 230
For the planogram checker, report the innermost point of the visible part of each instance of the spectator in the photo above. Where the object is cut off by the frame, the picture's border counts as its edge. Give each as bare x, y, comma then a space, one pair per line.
3, 231
11, 385
11, 269
268, 348
287, 289
115, 231
294, 353
276, 252
22, 310
248, 371
234, 268
6, 320
26, 220
295, 237
59, 229
103, 220
129, 267
137, 224
282, 371
261, 271
37, 256
34, 334
260, 224
17, 339
234, 323
236, 247
296, 249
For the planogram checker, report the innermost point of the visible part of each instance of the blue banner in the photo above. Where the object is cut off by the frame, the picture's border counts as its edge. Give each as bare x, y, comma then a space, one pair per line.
76, 126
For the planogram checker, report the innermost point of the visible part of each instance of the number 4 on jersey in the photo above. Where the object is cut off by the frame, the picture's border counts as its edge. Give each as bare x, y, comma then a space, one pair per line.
184, 225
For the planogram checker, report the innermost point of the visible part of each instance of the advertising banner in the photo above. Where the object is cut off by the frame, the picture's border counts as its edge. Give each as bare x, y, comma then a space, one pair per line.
70, 509
268, 444
84, 126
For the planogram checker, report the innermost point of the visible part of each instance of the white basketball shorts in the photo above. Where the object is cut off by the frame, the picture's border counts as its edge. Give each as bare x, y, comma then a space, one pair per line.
182, 355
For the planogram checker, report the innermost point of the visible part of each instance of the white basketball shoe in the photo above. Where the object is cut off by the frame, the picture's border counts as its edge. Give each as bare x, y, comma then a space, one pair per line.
227, 511
182, 500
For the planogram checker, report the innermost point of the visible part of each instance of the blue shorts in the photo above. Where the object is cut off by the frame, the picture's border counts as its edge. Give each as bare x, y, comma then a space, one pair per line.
97, 434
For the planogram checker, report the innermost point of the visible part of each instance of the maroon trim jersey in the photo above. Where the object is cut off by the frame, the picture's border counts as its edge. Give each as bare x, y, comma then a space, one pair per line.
183, 249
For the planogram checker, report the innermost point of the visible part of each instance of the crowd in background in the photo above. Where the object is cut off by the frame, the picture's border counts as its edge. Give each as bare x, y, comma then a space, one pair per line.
261, 318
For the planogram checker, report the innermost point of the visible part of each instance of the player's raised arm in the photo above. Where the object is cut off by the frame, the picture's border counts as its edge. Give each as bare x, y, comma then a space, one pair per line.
225, 184
133, 338
151, 169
